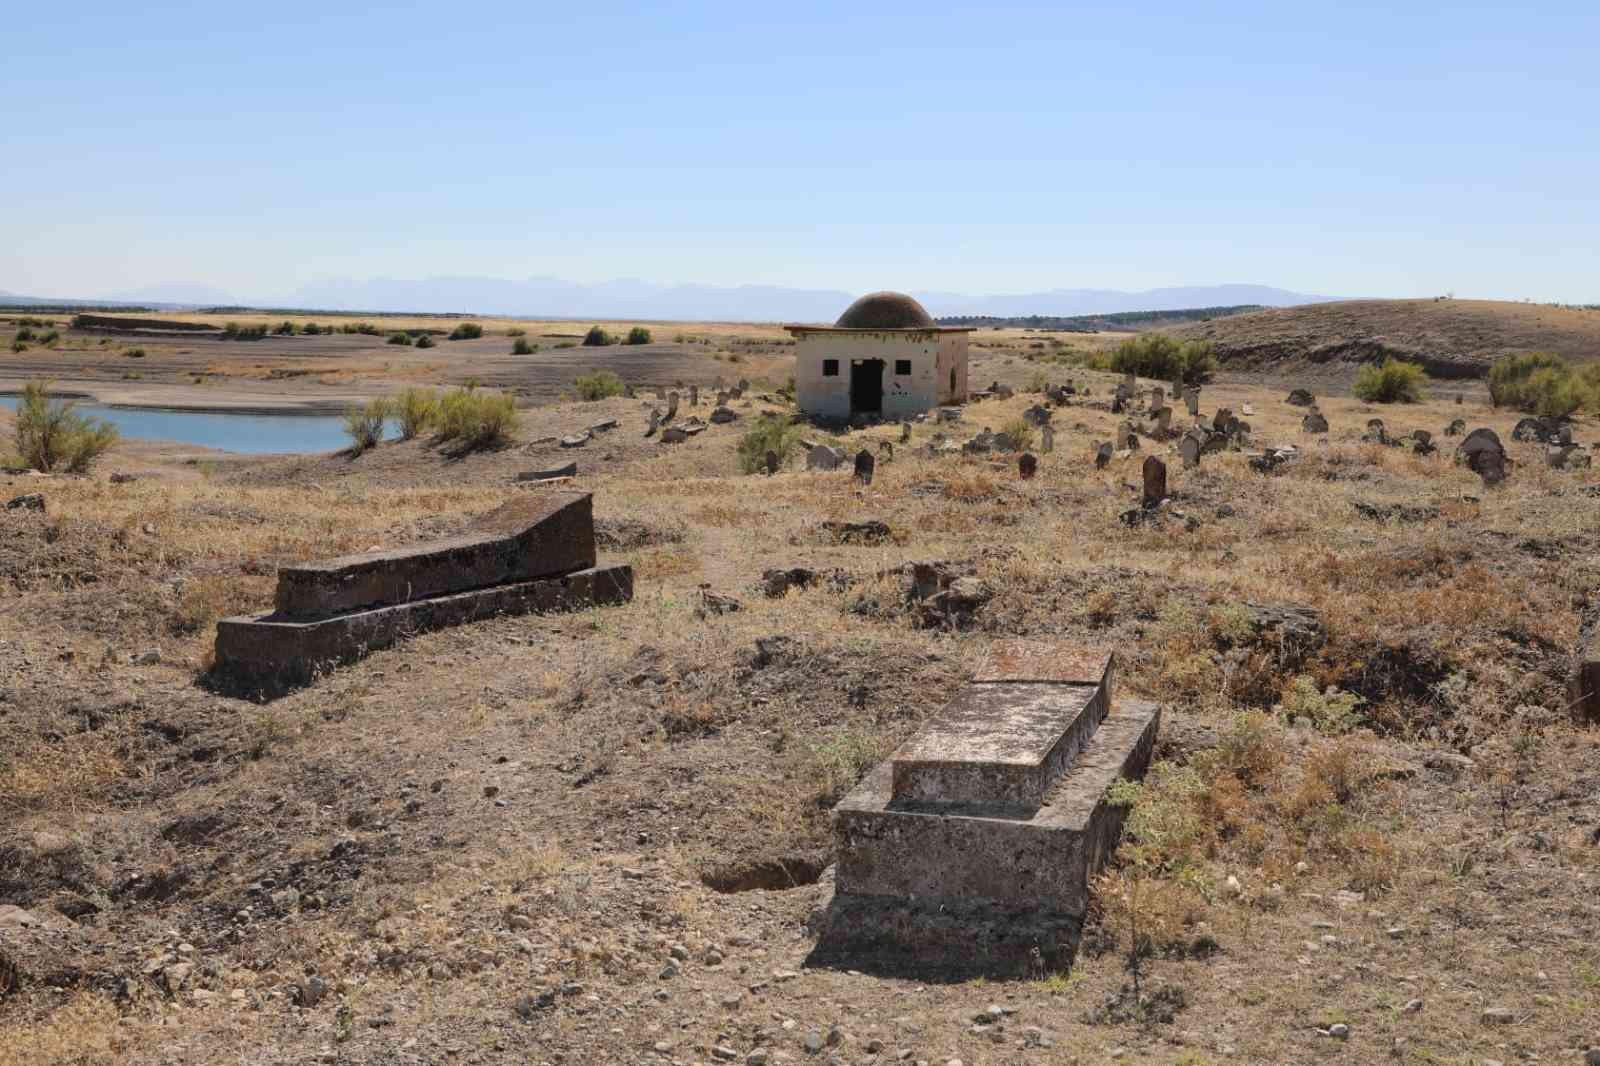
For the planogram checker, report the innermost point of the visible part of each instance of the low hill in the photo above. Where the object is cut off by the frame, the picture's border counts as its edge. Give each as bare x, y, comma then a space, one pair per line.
1451, 338
1114, 322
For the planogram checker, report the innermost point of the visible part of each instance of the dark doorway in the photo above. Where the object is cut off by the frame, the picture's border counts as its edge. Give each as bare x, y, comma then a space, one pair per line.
866, 386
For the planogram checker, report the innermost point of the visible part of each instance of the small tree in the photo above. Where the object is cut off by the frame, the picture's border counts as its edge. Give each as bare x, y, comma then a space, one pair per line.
415, 410
424, 341
466, 331
51, 434
400, 337
638, 335
597, 338
520, 346
1392, 381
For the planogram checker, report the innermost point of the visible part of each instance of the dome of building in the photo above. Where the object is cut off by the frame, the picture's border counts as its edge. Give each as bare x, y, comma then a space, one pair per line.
885, 310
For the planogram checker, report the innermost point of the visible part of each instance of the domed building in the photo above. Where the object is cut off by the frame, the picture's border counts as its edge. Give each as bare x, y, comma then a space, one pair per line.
884, 357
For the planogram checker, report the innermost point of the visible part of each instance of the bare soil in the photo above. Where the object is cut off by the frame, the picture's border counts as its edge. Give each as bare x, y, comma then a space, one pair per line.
490, 842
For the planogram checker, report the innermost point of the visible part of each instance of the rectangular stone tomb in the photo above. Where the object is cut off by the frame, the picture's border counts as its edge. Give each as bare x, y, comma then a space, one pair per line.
970, 849
536, 554
275, 652
1586, 685
532, 537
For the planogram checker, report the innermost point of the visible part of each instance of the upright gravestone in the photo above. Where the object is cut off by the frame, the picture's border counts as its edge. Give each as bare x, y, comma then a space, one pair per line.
886, 449
1027, 465
1047, 439
744, 384
655, 422
1102, 454
1158, 398
1163, 417
1456, 428
1222, 421
822, 457
772, 462
1189, 450
864, 466
905, 433
694, 395
1117, 402
1313, 422
1191, 400
1155, 481
1485, 455
722, 397
672, 405
1127, 438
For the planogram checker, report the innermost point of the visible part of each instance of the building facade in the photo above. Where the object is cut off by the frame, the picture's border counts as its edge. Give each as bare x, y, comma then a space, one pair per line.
885, 357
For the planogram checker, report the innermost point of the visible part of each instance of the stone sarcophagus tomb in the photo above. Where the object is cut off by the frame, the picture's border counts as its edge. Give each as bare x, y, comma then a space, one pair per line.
535, 554
970, 849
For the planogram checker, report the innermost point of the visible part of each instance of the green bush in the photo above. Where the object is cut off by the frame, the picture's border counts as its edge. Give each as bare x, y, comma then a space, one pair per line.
1021, 433
283, 329
366, 328
414, 411
133, 353
1392, 381
19, 345
769, 433
1544, 384
400, 337
50, 338
1165, 358
520, 346
597, 338
598, 386
424, 341
25, 334
311, 329
50, 434
515, 331
364, 424
638, 335
466, 331
233, 331
476, 419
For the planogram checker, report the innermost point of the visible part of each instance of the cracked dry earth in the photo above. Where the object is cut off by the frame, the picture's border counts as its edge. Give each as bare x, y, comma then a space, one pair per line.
601, 837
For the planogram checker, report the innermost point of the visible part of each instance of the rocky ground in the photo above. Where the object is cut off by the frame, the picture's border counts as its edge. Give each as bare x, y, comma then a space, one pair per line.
1373, 832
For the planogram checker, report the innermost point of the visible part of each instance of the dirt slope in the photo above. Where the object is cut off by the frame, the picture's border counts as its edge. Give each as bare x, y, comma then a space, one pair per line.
1452, 338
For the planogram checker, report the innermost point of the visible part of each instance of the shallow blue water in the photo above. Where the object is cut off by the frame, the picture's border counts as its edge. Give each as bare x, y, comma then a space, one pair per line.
246, 433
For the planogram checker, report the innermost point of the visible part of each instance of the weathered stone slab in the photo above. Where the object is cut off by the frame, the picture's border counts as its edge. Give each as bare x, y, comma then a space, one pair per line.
533, 537
996, 748
1586, 684
1044, 661
1042, 863
272, 651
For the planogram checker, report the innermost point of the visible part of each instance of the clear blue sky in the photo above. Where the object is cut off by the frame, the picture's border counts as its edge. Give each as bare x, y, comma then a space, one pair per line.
1346, 149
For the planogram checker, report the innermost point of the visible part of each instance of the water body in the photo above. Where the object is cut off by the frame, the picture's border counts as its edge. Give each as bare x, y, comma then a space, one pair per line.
249, 434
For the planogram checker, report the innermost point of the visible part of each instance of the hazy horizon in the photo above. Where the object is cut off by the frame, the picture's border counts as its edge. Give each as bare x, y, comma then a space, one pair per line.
1402, 153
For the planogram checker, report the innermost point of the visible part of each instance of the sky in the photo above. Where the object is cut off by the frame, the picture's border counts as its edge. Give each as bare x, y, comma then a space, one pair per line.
1385, 150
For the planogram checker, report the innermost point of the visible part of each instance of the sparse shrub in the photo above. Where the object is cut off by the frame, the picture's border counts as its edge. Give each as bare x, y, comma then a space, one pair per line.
466, 331
834, 765
50, 338
516, 331
638, 335
1392, 381
567, 344
133, 353
25, 333
1039, 382
476, 419
284, 328
1020, 432
520, 346
598, 386
19, 345
364, 424
424, 341
415, 410
233, 331
50, 434
1157, 355
597, 338
1330, 710
400, 337
1544, 384
311, 329
769, 433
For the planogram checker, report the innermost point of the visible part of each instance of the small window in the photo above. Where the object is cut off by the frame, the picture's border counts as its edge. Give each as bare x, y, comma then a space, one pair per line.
830, 368
902, 367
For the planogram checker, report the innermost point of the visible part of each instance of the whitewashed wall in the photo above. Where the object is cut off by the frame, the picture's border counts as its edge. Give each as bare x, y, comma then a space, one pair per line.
932, 356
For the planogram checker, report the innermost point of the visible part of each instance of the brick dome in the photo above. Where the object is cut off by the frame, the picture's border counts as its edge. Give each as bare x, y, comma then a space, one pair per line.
885, 310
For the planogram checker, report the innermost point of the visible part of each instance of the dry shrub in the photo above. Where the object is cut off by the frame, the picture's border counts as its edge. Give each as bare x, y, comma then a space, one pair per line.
967, 486
35, 774
84, 1030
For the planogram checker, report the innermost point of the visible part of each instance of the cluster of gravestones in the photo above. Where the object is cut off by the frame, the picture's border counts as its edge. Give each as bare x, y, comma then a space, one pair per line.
675, 431
1419, 440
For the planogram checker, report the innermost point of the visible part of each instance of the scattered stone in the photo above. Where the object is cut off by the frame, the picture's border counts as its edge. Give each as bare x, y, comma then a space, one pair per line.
949, 414
1300, 398
1484, 455
1567, 457
122, 479
714, 603
1027, 465
33, 501
1456, 428
870, 531
570, 470
576, 440
1127, 438
149, 657
1047, 439
1037, 415
674, 435
1497, 1016
1339, 1031
823, 457
1313, 422
1273, 458
722, 414
1102, 454
605, 425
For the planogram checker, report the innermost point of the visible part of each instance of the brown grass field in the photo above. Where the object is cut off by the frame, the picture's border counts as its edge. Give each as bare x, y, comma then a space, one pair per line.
540, 805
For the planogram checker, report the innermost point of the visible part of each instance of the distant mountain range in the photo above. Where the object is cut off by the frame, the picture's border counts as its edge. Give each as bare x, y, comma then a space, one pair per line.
633, 299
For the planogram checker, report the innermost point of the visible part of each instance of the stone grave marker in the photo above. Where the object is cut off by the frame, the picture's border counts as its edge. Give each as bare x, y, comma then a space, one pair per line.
1047, 439
772, 462
905, 433
1102, 454
672, 405
1313, 422
1300, 398
864, 466
1155, 481
723, 414
1191, 400
1485, 455
822, 457
1027, 465
694, 395
1158, 398
1189, 450
674, 435
655, 422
